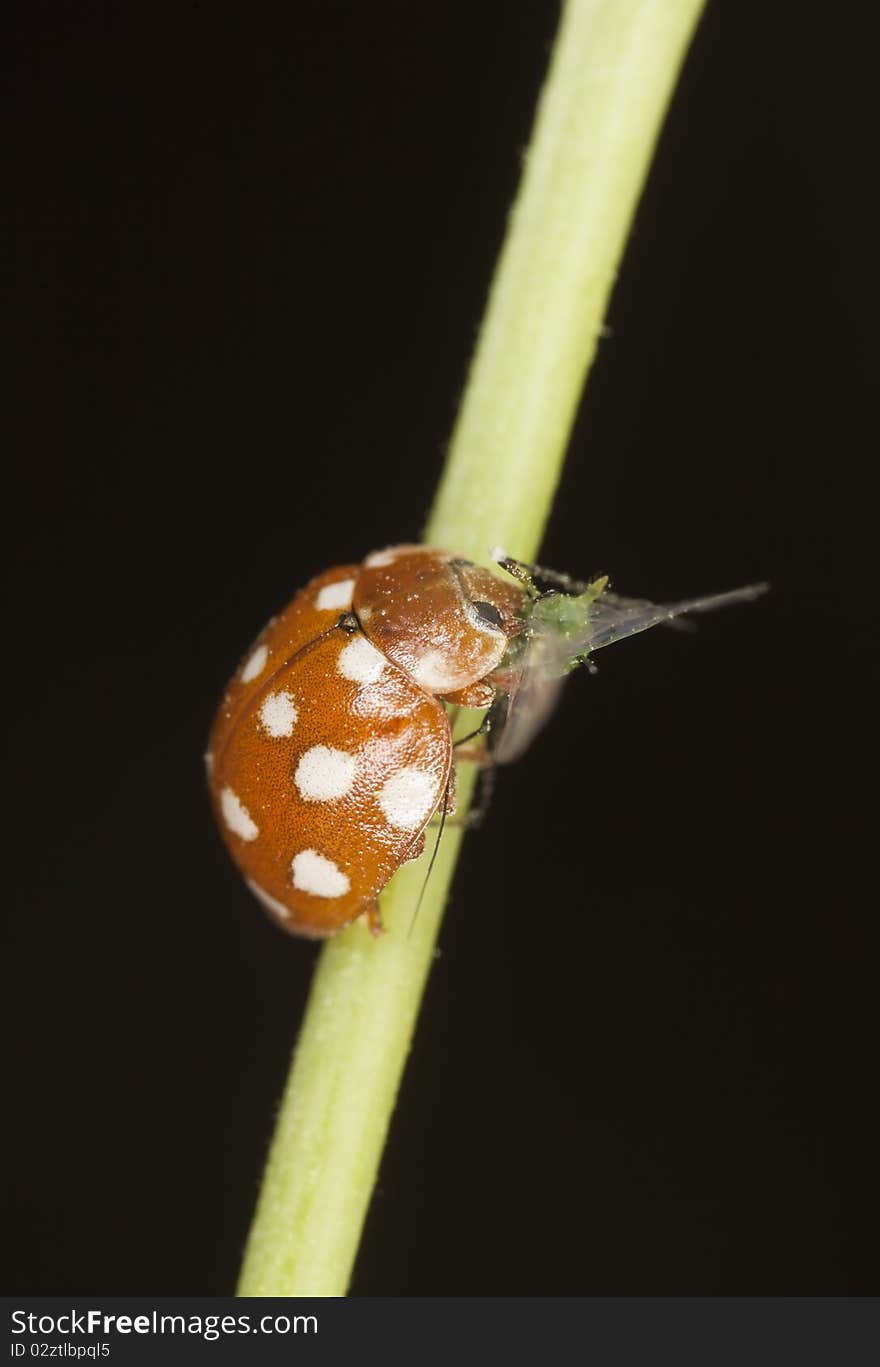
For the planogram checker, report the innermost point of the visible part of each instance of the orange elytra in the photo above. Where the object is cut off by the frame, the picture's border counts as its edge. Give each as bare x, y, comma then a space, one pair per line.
331, 750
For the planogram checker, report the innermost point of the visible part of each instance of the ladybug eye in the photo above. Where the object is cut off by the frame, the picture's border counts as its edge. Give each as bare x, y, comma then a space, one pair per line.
488, 613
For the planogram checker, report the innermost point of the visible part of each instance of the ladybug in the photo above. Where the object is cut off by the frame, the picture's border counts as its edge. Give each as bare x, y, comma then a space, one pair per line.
332, 750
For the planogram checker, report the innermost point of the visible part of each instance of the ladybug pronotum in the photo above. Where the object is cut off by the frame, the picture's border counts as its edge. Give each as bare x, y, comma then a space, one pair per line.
331, 749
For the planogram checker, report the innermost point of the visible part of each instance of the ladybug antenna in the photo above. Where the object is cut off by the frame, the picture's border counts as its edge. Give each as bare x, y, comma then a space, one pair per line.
443, 814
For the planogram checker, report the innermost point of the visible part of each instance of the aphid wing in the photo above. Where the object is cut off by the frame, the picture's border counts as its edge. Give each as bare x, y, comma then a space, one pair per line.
529, 710
333, 770
533, 695
611, 618
547, 654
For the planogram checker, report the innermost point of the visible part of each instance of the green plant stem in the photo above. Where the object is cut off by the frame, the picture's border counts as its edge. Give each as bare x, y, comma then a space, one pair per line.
611, 74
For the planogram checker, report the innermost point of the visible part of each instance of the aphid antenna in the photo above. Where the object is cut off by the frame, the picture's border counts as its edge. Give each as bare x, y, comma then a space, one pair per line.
430, 870
540, 580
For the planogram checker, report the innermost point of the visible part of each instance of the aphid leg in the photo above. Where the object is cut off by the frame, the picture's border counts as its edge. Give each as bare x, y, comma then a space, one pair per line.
477, 754
482, 796
374, 920
480, 755
584, 662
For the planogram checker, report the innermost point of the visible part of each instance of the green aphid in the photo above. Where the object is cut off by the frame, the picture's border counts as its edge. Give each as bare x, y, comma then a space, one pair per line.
565, 622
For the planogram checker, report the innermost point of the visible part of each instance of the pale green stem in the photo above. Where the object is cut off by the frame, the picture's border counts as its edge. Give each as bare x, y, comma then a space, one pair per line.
611, 75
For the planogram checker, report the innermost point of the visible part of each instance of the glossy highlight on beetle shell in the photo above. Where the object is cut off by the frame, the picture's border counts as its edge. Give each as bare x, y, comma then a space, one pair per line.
331, 749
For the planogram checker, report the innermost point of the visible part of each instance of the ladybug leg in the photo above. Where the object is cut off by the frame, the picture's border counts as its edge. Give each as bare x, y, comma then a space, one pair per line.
482, 756
479, 694
476, 754
472, 754
374, 920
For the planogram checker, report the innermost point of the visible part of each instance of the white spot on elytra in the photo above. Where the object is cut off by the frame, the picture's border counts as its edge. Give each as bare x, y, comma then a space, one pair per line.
278, 715
408, 798
360, 661
237, 817
335, 595
324, 773
314, 873
209, 763
432, 671
365, 614
378, 559
255, 665
271, 903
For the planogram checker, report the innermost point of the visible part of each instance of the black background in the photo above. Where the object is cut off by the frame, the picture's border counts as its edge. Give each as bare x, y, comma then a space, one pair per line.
250, 251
